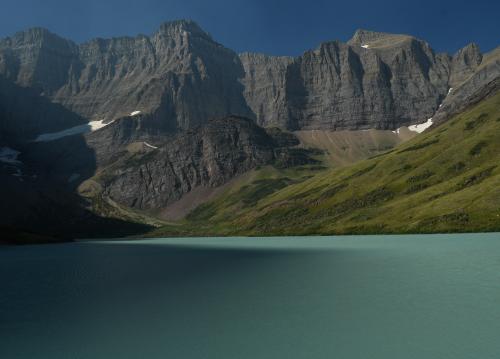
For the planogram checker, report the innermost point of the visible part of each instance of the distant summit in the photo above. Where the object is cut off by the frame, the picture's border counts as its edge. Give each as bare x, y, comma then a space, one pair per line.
183, 26
372, 38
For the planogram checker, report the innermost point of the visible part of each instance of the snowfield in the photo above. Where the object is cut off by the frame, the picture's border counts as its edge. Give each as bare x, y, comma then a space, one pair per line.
150, 146
421, 127
77, 130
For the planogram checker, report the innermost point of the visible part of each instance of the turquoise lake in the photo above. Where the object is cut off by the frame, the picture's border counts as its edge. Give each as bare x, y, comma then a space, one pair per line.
422, 296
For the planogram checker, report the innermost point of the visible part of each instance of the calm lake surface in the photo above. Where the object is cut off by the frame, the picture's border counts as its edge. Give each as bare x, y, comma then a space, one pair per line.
430, 296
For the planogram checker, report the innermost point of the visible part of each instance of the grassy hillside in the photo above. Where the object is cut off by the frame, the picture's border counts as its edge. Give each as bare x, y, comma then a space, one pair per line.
446, 179
332, 149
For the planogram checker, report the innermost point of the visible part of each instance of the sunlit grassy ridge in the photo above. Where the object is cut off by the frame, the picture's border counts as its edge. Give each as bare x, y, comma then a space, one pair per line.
445, 180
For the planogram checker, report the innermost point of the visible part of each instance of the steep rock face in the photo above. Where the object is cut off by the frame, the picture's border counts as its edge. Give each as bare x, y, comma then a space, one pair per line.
464, 64
265, 87
482, 83
341, 87
38, 59
180, 78
177, 76
32, 64
208, 156
376, 80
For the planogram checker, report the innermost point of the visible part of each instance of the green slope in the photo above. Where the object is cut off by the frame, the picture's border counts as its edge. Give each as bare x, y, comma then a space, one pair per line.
444, 180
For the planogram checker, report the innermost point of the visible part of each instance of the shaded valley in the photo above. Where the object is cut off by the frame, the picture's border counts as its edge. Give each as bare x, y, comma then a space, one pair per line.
174, 134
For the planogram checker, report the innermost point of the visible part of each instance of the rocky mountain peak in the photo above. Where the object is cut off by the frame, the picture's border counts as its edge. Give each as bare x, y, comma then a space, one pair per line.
33, 34
36, 58
182, 27
361, 36
470, 55
36, 36
464, 63
388, 44
365, 37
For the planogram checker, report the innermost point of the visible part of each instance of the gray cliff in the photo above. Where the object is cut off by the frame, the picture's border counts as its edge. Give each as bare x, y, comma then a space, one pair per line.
179, 77
207, 156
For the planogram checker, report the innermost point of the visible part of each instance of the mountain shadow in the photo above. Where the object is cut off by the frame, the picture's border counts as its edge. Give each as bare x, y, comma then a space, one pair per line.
38, 182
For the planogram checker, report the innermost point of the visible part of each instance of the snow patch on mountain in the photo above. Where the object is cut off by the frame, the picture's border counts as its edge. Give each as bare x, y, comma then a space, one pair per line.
77, 130
421, 127
150, 146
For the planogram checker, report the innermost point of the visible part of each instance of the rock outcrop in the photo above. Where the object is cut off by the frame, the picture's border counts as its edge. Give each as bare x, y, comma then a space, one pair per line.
479, 84
464, 64
208, 156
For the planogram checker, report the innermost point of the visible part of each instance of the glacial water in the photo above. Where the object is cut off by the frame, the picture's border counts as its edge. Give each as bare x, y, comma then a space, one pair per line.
429, 296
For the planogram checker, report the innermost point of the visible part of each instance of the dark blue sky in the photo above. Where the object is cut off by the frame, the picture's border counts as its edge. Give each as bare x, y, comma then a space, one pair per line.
271, 26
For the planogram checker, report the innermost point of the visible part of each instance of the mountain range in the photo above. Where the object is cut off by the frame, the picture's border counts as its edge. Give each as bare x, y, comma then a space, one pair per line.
124, 135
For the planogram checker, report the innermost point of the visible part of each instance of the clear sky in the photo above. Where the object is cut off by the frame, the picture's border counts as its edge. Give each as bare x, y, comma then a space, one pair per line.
279, 27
